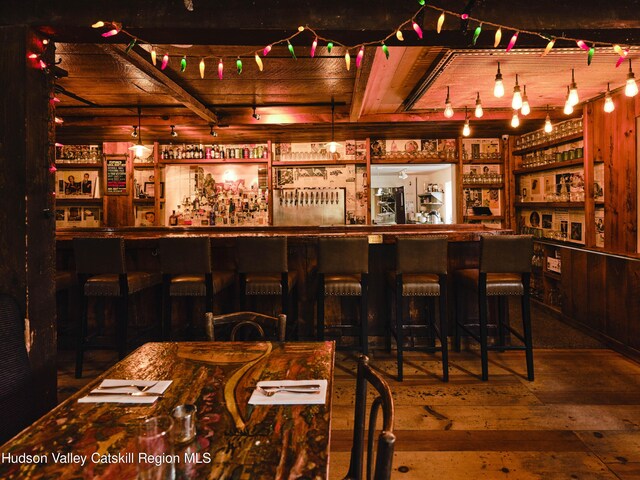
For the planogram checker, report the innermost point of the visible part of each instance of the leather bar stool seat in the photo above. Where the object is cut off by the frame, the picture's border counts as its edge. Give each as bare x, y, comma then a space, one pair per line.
263, 270
343, 269
421, 271
108, 285
187, 271
102, 272
504, 271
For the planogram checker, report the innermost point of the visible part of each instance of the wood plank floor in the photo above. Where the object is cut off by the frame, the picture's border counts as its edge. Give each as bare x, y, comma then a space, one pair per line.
580, 418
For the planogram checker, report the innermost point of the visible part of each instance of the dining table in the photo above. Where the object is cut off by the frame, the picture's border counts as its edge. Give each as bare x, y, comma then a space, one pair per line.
234, 439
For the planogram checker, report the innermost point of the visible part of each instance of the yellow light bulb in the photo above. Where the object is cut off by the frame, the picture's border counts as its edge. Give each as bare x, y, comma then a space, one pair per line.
466, 130
548, 128
515, 120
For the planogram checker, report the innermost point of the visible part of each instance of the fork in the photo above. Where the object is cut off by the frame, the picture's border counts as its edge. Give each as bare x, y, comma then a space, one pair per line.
271, 391
141, 388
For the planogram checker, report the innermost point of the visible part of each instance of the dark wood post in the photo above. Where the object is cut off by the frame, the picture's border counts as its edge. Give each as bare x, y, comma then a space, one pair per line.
27, 223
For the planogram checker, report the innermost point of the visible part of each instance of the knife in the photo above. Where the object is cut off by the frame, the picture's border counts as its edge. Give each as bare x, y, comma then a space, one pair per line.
94, 393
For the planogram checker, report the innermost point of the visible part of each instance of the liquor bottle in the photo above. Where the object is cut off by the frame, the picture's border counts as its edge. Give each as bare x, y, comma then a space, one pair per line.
173, 219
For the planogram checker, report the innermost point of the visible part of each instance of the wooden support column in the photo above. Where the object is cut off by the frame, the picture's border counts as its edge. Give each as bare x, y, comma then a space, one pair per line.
27, 226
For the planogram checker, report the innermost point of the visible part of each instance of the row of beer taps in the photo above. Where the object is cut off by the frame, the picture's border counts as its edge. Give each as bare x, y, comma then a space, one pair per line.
308, 197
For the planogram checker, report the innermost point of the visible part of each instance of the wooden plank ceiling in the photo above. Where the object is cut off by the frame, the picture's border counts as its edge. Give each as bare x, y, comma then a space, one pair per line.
399, 97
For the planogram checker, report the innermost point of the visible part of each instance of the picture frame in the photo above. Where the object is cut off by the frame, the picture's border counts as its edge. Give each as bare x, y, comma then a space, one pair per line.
149, 189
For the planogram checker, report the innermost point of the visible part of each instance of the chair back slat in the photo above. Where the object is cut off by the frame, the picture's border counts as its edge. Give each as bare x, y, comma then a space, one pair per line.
185, 255
343, 255
386, 438
506, 253
422, 254
95, 256
266, 327
261, 254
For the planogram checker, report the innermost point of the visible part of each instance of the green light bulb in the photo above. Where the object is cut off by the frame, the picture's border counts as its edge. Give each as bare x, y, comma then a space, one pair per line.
183, 64
385, 49
239, 65
329, 46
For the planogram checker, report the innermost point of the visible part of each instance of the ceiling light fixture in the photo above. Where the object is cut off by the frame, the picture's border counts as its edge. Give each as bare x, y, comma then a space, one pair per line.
134, 134
573, 90
515, 120
609, 106
255, 115
498, 88
139, 149
548, 128
525, 109
212, 132
173, 131
479, 112
333, 145
448, 108
568, 107
403, 174
631, 88
516, 102
466, 130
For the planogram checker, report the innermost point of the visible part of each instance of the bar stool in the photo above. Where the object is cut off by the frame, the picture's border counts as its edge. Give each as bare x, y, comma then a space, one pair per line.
505, 270
101, 269
185, 263
263, 270
343, 269
421, 271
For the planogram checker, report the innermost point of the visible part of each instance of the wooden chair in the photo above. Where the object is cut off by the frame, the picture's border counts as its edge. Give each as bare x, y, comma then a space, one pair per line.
386, 438
421, 271
343, 271
102, 272
16, 401
264, 326
185, 263
505, 270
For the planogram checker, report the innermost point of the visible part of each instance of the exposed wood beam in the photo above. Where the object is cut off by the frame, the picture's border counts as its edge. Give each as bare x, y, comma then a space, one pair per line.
361, 82
178, 92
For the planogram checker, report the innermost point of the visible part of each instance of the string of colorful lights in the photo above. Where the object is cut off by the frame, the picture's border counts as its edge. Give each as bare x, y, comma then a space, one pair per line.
116, 28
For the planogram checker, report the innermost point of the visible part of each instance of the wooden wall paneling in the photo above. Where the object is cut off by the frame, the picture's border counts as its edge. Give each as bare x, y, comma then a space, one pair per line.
596, 280
367, 185
589, 205
579, 285
566, 283
509, 192
633, 303
270, 184
459, 190
27, 236
617, 320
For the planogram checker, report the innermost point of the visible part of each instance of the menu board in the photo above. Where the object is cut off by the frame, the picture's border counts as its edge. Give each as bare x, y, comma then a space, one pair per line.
116, 176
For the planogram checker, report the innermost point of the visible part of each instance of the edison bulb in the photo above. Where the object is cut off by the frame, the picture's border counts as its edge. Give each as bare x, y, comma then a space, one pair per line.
568, 108
609, 106
631, 88
466, 130
573, 96
498, 88
548, 128
525, 109
448, 110
515, 120
333, 147
516, 102
479, 112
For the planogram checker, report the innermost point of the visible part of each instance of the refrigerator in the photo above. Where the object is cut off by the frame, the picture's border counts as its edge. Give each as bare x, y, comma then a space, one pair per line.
389, 207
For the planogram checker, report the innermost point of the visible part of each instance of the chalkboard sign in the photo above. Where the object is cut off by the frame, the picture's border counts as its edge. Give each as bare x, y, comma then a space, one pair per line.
116, 176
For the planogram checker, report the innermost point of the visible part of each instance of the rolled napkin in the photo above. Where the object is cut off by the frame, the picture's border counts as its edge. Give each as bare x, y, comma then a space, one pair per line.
126, 391
301, 397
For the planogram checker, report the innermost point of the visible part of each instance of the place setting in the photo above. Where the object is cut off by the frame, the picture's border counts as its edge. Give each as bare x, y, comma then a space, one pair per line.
126, 391
289, 392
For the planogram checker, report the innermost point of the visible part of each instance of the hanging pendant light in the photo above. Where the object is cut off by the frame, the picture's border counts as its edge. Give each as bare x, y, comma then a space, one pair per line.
631, 88
333, 145
479, 112
448, 108
516, 102
466, 130
568, 107
609, 106
548, 128
573, 90
498, 88
526, 108
139, 149
515, 120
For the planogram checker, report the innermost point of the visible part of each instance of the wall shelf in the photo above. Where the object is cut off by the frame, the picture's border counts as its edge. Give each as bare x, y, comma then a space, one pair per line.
551, 204
550, 166
549, 144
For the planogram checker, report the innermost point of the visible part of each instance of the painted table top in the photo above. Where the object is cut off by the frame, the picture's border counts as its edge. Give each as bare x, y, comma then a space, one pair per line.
234, 439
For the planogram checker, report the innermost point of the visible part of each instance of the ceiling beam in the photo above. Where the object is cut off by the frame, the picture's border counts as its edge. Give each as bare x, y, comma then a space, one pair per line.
361, 82
135, 58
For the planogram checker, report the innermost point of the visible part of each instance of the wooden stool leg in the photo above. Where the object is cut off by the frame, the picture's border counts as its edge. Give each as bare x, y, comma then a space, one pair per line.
122, 322
457, 317
390, 319
502, 317
364, 315
320, 307
482, 309
81, 335
526, 325
444, 331
399, 329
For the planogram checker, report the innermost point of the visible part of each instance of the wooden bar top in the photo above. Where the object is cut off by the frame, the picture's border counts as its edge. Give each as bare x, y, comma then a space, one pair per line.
455, 232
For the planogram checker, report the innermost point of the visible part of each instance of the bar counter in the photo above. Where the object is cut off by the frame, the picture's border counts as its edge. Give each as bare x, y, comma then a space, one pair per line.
142, 255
